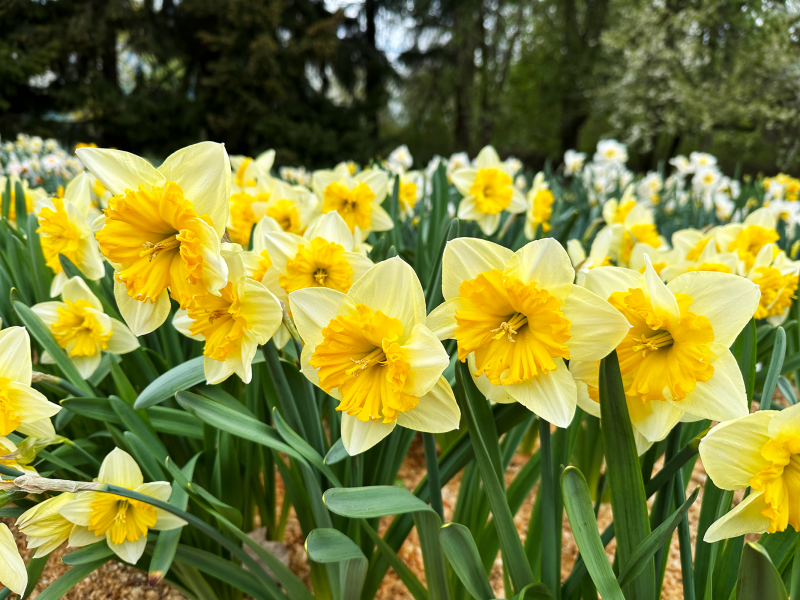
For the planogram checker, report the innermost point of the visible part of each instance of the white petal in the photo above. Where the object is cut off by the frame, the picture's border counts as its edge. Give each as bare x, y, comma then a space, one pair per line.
464, 179
661, 298
118, 170
130, 552
141, 316
466, 258
156, 489
380, 220
12, 569
81, 536
358, 436
122, 339
48, 312
722, 397
492, 392
552, 396
79, 510
15, 355
604, 281
87, 365
596, 326
544, 262
166, 521
217, 371
42, 429
442, 319
331, 227
120, 469
655, 419
29, 404
436, 412
488, 223
314, 308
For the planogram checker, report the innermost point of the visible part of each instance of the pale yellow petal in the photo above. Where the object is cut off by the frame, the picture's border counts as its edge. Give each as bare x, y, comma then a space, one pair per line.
585, 402
436, 412
120, 469
604, 281
487, 158
378, 182
427, 358
79, 510
130, 552
118, 170
495, 393
380, 220
723, 396
442, 319
488, 223
81, 536
29, 404
544, 262
282, 247
359, 436
42, 429
48, 312
314, 308
15, 355
653, 420
745, 518
727, 301
122, 339
215, 269
661, 298
260, 309
553, 396
12, 568
596, 327
466, 258
332, 228
141, 316
464, 179
87, 365
217, 371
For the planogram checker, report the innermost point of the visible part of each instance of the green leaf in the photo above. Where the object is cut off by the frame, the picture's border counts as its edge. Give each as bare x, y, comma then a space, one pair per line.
462, 553
745, 350
631, 521
336, 454
326, 545
42, 334
372, 501
182, 377
303, 447
580, 512
89, 554
428, 525
41, 274
758, 577
35, 568
472, 403
433, 293
200, 494
21, 206
657, 538
70, 579
143, 456
135, 423
534, 591
227, 571
775, 366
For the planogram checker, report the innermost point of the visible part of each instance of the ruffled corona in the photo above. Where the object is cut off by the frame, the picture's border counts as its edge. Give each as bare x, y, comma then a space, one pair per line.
777, 291
750, 240
79, 330
60, 235
492, 190
219, 321
779, 479
121, 519
318, 264
360, 355
354, 205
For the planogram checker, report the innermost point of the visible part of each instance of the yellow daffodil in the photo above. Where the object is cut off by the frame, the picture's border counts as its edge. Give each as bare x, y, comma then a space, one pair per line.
44, 526
246, 170
13, 574
777, 278
162, 228
629, 223
356, 198
371, 349
322, 257
747, 238
487, 189
411, 188
12, 457
233, 324
762, 451
32, 195
80, 327
674, 361
598, 255
708, 259
22, 408
690, 243
540, 207
64, 228
123, 523
660, 259
518, 316
291, 208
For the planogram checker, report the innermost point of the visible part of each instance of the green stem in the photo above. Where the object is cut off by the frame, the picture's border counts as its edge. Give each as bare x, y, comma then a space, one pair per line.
282, 389
549, 546
434, 483
684, 541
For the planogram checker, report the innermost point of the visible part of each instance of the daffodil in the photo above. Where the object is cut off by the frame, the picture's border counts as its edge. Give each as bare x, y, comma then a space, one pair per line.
32, 195
233, 324
80, 327
292, 208
246, 170
598, 255
121, 522
708, 259
162, 228
674, 361
13, 574
540, 207
371, 349
22, 408
747, 238
488, 190
629, 223
357, 198
322, 257
777, 278
64, 228
518, 316
760, 451
45, 528
410, 192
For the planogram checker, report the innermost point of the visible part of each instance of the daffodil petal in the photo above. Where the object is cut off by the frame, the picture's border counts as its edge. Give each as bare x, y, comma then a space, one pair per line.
604, 281
463, 179
466, 258
12, 568
468, 209
217, 371
377, 181
726, 300
745, 518
87, 365
359, 436
731, 451
488, 223
76, 290
661, 298
166, 521
392, 287
260, 309
331, 227
120, 469
314, 308
655, 419
42, 429
436, 412
552, 396
29, 404
204, 173
155, 489
15, 355
128, 551
358, 262
487, 158
122, 339
584, 400
48, 312
492, 392
380, 220
722, 397
427, 358
118, 170
442, 319
544, 262
596, 327
81, 536
79, 510
141, 316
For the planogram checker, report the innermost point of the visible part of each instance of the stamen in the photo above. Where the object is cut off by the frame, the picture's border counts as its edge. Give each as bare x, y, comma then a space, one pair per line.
320, 275
375, 357
213, 316
152, 250
509, 328
661, 339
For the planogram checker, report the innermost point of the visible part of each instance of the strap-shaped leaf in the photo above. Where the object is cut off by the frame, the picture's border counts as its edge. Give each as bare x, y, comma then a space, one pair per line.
580, 512
534, 591
372, 501
462, 553
758, 577
337, 453
327, 545
774, 370
69, 580
657, 538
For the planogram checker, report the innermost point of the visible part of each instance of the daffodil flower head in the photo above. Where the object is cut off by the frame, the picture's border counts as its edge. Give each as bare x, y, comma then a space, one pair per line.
233, 324
357, 198
32, 195
674, 361
43, 525
121, 522
64, 228
487, 189
22, 408
409, 192
746, 239
516, 316
371, 349
777, 278
322, 257
708, 258
762, 451
540, 207
630, 223
162, 228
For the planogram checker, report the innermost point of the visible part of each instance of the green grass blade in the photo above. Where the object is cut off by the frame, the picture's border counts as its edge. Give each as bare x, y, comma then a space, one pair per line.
578, 502
745, 349
758, 577
463, 556
41, 273
433, 293
428, 525
631, 521
550, 547
774, 370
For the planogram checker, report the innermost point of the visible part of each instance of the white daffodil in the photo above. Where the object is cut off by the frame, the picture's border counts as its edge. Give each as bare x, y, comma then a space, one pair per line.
65, 228
488, 190
573, 162
22, 408
162, 228
371, 350
121, 522
357, 198
80, 327
517, 315
674, 361
233, 324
